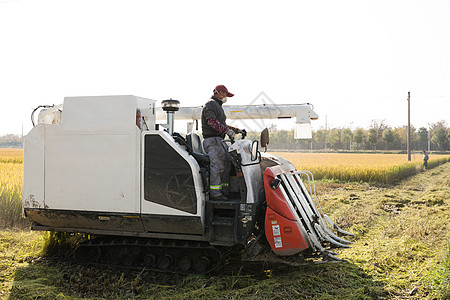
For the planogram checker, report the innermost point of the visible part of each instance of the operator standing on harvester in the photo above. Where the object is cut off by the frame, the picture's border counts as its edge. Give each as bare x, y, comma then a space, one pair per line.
214, 129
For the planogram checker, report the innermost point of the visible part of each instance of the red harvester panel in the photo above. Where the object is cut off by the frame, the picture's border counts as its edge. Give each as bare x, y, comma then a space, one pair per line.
282, 230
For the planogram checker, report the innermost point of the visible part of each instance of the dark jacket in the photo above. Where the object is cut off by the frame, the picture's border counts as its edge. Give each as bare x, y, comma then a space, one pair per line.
213, 109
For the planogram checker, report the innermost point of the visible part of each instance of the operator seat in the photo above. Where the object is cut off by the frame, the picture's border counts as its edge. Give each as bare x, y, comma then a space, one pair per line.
195, 142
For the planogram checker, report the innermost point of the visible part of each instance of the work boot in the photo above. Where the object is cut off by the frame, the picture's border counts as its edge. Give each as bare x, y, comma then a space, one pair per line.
219, 197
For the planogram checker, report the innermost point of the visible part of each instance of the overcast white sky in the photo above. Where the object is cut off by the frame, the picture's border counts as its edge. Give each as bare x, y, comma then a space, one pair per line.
354, 60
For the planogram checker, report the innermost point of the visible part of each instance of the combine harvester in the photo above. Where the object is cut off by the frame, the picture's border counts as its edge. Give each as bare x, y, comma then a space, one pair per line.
104, 166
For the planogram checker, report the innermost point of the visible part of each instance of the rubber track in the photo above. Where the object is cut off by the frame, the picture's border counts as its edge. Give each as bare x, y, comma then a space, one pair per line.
173, 256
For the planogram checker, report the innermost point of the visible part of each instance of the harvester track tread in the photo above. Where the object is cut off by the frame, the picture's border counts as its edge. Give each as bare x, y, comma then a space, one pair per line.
172, 256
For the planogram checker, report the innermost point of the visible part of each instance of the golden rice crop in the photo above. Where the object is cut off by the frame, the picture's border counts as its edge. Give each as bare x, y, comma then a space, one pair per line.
11, 174
381, 168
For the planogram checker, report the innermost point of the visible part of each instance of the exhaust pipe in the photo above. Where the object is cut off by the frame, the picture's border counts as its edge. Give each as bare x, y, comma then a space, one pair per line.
170, 107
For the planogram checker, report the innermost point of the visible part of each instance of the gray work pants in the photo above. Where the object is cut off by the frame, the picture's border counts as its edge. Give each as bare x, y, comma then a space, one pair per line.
219, 173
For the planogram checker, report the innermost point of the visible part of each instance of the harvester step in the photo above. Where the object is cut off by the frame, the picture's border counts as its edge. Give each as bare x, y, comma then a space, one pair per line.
222, 222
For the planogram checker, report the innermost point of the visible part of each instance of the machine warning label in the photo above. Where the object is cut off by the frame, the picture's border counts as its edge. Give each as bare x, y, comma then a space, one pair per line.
278, 243
276, 230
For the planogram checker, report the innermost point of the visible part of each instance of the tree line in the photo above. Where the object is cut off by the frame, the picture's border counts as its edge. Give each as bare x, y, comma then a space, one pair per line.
10, 141
379, 136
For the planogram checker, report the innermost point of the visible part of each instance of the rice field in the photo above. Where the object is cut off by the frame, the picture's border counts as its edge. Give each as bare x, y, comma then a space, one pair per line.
11, 155
355, 167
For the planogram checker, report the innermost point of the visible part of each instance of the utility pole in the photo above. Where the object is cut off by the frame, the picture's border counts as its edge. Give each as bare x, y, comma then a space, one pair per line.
326, 133
408, 143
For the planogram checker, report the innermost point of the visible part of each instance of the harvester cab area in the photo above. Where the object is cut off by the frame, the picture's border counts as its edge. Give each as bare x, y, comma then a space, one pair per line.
232, 221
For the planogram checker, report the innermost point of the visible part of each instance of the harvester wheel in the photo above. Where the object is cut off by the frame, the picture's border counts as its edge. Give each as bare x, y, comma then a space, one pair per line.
184, 263
114, 255
80, 254
149, 259
93, 254
127, 259
87, 254
136, 251
165, 261
202, 264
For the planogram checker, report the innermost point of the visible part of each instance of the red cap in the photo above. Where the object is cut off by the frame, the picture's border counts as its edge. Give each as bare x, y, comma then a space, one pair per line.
222, 88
